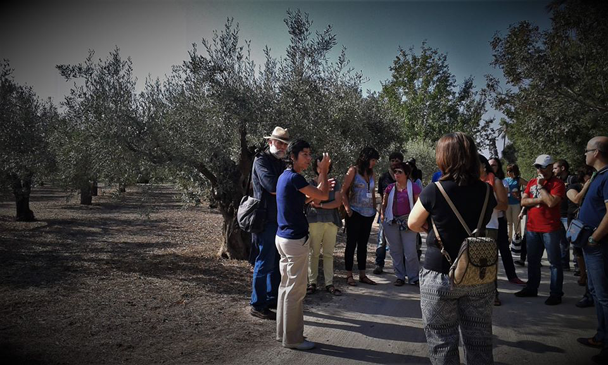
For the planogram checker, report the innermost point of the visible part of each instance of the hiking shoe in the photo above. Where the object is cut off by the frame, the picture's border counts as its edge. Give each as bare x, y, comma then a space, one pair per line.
526, 293
378, 270
263, 313
399, 282
304, 345
553, 300
585, 302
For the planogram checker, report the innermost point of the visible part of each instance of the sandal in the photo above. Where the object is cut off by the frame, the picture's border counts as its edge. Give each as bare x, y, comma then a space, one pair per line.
311, 289
366, 280
351, 281
332, 289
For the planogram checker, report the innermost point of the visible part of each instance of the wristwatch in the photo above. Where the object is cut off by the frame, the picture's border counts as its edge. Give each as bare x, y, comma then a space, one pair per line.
592, 242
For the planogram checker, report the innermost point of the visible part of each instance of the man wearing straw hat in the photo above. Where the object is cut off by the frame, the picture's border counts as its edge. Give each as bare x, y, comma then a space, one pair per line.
267, 167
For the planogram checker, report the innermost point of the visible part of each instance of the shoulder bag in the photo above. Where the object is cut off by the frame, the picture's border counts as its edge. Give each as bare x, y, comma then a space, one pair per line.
477, 259
251, 214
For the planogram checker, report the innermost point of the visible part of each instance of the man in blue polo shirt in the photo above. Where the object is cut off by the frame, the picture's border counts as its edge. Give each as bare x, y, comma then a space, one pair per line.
593, 214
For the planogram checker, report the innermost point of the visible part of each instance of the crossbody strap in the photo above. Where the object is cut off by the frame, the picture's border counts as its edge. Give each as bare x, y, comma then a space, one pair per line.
457, 213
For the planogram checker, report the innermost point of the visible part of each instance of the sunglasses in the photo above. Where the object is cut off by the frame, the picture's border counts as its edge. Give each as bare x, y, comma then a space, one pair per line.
540, 167
398, 171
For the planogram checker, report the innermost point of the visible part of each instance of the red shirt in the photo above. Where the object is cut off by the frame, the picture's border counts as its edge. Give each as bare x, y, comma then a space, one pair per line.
541, 218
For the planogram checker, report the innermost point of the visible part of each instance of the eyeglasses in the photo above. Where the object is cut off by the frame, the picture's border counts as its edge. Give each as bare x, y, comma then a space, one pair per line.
587, 151
398, 171
540, 167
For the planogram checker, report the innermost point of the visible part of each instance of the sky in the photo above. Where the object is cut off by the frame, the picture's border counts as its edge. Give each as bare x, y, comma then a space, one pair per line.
35, 36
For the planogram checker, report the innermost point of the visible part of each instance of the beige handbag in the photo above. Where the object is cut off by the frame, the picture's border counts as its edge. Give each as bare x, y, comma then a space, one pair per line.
478, 256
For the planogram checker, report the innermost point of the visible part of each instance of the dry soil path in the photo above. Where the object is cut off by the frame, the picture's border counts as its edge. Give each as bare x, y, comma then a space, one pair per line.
382, 325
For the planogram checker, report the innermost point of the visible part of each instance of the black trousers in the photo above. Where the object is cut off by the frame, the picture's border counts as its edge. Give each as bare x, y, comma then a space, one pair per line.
358, 229
505, 250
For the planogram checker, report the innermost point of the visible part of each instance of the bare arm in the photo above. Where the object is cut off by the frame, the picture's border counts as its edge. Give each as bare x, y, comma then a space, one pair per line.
348, 180
332, 204
384, 204
526, 201
548, 199
501, 195
321, 192
577, 196
417, 219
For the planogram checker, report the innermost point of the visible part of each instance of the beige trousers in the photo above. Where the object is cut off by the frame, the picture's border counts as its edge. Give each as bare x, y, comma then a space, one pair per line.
322, 234
513, 222
292, 290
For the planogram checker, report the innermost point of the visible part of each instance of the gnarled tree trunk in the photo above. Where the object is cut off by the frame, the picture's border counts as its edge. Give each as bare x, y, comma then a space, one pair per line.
22, 189
86, 198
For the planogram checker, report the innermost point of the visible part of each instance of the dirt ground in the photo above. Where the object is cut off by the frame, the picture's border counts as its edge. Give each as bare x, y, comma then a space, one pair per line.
129, 279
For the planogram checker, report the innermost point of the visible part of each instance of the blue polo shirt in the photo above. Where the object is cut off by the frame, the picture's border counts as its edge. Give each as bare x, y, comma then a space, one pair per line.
292, 221
594, 205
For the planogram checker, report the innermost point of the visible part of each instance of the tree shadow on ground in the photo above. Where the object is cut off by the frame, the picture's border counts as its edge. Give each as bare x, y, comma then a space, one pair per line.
384, 331
367, 355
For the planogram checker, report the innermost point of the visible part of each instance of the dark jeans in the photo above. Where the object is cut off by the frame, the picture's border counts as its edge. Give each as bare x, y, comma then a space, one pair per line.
565, 245
596, 259
266, 275
358, 229
381, 248
537, 243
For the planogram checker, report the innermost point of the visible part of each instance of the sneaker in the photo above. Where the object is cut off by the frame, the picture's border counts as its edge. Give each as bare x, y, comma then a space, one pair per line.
553, 300
520, 263
263, 314
378, 270
399, 282
304, 345
585, 303
526, 293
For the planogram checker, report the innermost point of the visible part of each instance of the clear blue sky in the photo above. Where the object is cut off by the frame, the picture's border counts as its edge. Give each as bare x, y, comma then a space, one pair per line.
35, 36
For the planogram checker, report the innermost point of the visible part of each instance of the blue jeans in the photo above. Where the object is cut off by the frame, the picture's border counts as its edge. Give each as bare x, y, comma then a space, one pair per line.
596, 259
266, 275
382, 246
537, 242
564, 245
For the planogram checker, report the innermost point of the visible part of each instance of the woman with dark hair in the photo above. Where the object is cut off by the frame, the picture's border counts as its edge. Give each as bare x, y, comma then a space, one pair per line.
449, 311
397, 203
497, 227
292, 241
513, 184
496, 166
323, 222
360, 205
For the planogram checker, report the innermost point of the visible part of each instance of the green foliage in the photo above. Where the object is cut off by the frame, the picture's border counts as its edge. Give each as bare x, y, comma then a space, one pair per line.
100, 121
556, 98
424, 153
425, 98
24, 128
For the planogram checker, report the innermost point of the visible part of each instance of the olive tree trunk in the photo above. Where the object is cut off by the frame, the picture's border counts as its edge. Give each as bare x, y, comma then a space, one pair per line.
22, 189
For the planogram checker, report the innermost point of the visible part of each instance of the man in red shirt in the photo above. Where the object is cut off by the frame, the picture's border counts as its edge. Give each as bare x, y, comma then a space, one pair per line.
542, 197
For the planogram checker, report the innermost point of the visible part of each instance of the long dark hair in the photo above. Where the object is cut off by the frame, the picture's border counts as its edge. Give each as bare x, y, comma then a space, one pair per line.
366, 154
456, 156
486, 165
499, 172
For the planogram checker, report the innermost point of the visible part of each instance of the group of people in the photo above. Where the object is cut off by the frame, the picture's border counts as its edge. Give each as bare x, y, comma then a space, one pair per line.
303, 218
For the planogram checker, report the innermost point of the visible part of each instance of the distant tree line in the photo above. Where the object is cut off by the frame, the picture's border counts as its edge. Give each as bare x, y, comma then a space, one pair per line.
201, 126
